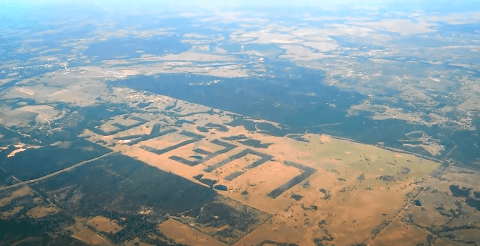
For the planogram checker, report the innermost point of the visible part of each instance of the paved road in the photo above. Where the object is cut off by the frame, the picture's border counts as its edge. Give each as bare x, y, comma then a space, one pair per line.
55, 173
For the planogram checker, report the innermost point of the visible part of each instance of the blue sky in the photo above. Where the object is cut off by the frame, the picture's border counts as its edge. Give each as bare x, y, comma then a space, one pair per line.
8, 6
318, 3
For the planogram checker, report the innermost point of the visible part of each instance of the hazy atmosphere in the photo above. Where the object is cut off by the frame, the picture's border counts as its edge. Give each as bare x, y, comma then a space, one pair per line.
239, 123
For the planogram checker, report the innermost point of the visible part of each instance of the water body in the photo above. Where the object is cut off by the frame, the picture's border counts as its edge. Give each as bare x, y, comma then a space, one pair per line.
220, 187
417, 203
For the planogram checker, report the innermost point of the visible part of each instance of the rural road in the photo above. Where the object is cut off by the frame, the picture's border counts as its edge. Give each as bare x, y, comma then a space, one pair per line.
55, 173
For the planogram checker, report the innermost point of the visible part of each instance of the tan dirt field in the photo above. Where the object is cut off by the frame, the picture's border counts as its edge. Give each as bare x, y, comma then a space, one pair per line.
12, 212
21, 192
184, 234
42, 211
354, 189
82, 233
104, 224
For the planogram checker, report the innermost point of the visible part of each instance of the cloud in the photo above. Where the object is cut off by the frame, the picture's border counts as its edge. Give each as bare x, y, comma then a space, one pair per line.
401, 26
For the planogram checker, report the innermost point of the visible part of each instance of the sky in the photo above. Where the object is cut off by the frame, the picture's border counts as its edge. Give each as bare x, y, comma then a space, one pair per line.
12, 9
317, 3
